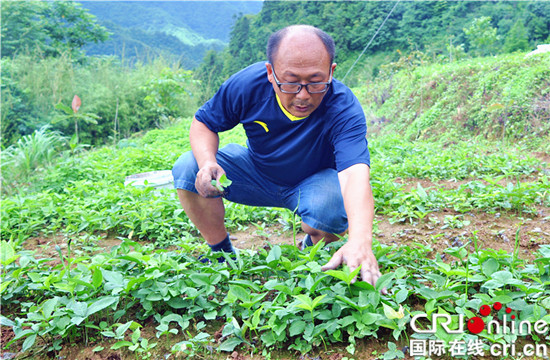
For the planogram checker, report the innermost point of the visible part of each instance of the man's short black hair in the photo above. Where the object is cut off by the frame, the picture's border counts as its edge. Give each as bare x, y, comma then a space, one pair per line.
275, 40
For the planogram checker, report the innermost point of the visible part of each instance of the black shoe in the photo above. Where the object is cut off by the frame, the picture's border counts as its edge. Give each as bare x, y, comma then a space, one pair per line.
306, 242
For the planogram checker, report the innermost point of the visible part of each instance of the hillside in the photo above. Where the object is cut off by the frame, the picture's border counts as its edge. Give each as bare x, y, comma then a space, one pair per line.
181, 29
95, 267
501, 97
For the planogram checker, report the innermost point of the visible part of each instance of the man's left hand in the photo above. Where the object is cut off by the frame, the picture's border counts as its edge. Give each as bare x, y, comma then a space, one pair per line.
355, 255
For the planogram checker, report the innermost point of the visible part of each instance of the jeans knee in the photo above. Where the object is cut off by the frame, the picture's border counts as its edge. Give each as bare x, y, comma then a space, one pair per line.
325, 211
185, 171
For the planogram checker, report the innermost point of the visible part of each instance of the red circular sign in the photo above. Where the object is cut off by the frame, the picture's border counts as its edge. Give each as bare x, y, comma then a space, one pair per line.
476, 325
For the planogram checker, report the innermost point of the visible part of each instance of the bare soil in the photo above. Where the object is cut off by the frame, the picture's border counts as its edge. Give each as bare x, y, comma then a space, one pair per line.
491, 231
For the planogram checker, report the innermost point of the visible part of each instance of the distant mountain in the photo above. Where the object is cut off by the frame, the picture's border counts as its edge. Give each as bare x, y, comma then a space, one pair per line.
182, 29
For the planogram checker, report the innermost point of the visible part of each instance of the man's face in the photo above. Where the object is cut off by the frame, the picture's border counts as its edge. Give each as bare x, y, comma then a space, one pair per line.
301, 58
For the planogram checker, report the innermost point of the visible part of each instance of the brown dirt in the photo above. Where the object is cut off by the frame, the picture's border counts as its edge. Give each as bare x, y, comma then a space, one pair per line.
6, 335
493, 231
544, 156
252, 240
236, 356
412, 183
87, 353
44, 246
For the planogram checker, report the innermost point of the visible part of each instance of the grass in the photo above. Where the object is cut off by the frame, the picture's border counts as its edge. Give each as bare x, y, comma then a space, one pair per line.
265, 299
30, 153
124, 98
90, 187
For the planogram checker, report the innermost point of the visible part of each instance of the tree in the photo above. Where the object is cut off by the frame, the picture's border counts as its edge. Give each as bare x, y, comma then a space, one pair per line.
538, 22
517, 38
49, 28
482, 35
413, 26
210, 74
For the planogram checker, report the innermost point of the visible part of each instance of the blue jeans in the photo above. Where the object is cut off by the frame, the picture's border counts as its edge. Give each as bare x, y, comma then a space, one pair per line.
316, 199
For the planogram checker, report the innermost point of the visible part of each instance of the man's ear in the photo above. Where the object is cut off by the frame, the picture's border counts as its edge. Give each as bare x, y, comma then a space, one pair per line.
333, 66
269, 72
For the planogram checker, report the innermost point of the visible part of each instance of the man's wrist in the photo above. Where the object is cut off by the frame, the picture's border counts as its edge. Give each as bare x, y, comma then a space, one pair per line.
208, 163
362, 240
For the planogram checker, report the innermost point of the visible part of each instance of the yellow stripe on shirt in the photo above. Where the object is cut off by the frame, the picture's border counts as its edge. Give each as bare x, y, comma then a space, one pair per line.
288, 115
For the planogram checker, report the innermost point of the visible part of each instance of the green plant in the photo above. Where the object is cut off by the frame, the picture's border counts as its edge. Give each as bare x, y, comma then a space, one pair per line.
393, 352
71, 113
34, 27
30, 153
114, 92
254, 301
306, 303
454, 222
221, 183
482, 35
256, 298
164, 93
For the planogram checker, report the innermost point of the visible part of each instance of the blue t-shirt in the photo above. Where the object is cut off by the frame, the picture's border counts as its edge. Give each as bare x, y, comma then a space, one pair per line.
287, 151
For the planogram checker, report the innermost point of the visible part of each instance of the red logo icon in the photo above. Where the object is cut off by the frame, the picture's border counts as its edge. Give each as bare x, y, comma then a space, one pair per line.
476, 324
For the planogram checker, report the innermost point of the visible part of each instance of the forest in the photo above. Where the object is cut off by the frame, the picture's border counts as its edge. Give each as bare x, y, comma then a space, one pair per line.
442, 30
457, 104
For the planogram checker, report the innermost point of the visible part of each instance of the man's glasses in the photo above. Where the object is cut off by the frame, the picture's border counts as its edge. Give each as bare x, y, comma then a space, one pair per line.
295, 88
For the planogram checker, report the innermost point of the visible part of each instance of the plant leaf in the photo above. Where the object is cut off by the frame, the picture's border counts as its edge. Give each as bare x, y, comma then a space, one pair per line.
230, 344
297, 327
340, 275
101, 304
67, 110
120, 344
274, 255
383, 281
317, 300
222, 183
29, 342
7, 253
392, 314
97, 278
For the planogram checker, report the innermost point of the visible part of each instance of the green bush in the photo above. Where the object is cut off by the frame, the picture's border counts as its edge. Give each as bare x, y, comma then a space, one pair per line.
30, 153
126, 99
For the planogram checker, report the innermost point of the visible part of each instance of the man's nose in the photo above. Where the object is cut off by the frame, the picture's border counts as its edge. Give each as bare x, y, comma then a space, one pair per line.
303, 94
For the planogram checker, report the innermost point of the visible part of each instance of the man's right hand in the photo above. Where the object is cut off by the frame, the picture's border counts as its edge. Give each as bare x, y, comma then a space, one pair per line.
203, 183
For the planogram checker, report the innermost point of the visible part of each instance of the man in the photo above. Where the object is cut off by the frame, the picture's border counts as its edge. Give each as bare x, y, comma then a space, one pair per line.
306, 150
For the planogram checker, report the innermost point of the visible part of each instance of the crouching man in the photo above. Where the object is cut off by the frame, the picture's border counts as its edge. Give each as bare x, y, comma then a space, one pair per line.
306, 150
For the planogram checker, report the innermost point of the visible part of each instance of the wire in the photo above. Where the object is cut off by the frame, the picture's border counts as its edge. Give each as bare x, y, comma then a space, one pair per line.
366, 47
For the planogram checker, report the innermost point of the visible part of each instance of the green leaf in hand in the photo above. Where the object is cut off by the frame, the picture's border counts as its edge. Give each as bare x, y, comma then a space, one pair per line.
222, 183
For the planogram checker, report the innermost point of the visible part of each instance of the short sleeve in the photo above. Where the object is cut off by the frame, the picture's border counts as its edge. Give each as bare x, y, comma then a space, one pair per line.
348, 136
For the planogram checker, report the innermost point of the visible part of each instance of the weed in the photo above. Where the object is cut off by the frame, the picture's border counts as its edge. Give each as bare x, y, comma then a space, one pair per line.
222, 183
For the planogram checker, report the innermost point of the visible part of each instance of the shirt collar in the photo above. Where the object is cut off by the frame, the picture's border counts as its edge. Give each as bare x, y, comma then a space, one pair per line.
288, 115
